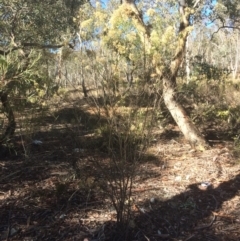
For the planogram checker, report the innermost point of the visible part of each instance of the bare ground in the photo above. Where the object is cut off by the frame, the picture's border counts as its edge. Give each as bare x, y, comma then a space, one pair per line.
52, 192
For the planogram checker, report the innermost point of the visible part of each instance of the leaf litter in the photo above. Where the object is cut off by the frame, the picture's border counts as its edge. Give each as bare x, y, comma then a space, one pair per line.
180, 195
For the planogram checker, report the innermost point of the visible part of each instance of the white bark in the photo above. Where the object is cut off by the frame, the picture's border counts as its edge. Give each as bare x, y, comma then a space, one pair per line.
187, 61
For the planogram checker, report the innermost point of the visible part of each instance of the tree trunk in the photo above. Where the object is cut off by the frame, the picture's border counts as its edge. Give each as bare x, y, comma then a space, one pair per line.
59, 68
190, 132
236, 65
187, 61
84, 88
9, 132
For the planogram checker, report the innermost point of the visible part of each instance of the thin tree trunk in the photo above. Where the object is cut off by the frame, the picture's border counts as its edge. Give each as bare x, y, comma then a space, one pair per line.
9, 132
59, 68
236, 57
187, 61
84, 88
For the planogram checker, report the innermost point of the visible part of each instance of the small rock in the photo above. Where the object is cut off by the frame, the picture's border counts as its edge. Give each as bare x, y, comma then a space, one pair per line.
77, 150
178, 178
62, 216
152, 200
205, 185
37, 142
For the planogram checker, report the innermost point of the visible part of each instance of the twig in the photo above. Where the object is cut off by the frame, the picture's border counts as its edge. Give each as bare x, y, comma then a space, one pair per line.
11, 174
207, 225
163, 235
88, 197
9, 225
231, 27
196, 3
72, 195
24, 148
215, 202
222, 215
191, 236
146, 237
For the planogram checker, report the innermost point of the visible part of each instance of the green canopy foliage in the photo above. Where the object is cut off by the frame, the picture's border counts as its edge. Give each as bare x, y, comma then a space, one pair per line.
42, 22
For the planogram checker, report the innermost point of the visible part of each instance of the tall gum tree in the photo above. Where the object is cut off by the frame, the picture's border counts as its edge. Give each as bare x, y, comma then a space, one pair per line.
189, 130
168, 72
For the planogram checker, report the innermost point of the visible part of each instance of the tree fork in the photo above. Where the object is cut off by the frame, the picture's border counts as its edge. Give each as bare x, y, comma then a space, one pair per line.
185, 124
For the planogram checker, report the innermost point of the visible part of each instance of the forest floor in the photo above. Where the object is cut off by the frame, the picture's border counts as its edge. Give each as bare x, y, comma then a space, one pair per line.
178, 193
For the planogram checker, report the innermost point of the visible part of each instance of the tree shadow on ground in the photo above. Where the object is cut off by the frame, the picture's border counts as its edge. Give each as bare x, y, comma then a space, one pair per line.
41, 201
47, 213
192, 215
47, 189
71, 115
47, 194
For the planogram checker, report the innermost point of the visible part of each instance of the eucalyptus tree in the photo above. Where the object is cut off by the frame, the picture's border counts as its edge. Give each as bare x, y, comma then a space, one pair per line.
226, 19
163, 28
27, 27
165, 47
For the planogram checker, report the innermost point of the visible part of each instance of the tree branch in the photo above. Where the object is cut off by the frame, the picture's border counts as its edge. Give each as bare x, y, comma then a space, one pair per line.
232, 27
35, 45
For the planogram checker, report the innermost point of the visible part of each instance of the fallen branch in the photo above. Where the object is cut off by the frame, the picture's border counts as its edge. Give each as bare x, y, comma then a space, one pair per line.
207, 225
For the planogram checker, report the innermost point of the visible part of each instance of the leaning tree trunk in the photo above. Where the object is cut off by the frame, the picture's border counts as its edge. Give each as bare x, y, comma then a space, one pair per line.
189, 130
9, 132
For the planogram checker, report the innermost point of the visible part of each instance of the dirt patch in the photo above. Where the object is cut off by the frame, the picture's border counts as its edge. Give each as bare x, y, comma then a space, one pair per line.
181, 195
52, 191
